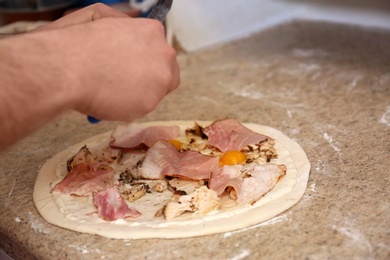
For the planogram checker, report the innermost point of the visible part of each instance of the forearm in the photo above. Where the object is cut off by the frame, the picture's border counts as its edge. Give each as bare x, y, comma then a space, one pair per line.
26, 101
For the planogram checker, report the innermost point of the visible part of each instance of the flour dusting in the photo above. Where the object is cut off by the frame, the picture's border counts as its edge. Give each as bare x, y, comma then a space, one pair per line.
247, 92
241, 255
308, 53
332, 143
12, 188
84, 250
37, 224
385, 118
265, 223
357, 239
312, 187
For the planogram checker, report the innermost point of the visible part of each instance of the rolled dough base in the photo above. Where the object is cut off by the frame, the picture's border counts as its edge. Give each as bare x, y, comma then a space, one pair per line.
284, 195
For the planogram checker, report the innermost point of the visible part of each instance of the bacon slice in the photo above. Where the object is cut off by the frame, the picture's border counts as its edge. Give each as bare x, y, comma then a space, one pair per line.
84, 179
162, 159
229, 134
250, 182
111, 206
134, 135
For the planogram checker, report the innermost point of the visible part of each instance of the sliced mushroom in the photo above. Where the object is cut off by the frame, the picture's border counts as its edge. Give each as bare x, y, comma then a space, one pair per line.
200, 202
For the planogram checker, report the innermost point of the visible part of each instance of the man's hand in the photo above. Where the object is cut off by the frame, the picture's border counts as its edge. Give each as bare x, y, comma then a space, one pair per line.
85, 15
96, 60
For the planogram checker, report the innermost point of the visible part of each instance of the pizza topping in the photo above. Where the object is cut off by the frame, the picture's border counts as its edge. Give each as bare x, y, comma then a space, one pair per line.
160, 186
126, 177
177, 144
250, 182
134, 192
83, 156
111, 205
185, 185
193, 170
232, 157
84, 179
134, 135
260, 153
197, 130
162, 159
229, 134
108, 154
201, 202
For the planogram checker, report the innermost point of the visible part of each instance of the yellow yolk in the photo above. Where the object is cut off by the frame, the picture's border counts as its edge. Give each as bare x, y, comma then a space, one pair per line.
175, 143
232, 157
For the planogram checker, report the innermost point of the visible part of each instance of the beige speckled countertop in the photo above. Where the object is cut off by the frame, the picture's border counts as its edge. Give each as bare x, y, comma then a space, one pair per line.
326, 86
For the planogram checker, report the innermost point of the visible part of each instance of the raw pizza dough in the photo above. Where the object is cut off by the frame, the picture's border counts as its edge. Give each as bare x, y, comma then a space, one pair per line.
61, 210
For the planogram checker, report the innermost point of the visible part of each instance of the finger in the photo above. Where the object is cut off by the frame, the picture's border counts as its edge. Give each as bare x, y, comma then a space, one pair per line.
87, 14
176, 77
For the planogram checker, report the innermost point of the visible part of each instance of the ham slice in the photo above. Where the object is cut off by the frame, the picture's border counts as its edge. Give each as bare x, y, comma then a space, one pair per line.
162, 159
134, 135
250, 182
84, 179
229, 134
111, 206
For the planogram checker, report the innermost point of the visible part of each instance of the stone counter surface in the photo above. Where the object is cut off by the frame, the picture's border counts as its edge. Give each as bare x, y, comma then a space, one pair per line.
327, 86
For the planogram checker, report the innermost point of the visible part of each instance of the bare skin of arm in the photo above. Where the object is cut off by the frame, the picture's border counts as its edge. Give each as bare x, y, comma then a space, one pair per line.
98, 62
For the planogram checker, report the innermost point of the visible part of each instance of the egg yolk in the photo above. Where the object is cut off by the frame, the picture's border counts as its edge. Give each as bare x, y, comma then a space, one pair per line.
175, 143
232, 157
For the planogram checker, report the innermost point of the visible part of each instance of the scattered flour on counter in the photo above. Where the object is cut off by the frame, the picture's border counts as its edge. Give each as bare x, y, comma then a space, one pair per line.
84, 250
312, 187
37, 224
18, 220
268, 222
248, 92
289, 113
332, 142
357, 239
12, 187
353, 82
244, 253
310, 190
385, 118
309, 53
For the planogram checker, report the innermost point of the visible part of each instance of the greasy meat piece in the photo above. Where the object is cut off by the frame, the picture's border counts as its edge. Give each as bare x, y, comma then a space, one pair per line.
200, 202
162, 159
249, 182
111, 206
134, 135
83, 156
229, 134
84, 179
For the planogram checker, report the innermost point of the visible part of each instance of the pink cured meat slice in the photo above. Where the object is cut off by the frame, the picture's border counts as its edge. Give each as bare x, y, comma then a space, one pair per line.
262, 178
162, 159
135, 135
84, 179
111, 206
229, 134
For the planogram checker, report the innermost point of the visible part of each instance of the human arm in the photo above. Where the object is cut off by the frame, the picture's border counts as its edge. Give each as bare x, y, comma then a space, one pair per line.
111, 68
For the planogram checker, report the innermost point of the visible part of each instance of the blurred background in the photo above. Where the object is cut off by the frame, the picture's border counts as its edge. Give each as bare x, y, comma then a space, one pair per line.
196, 24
